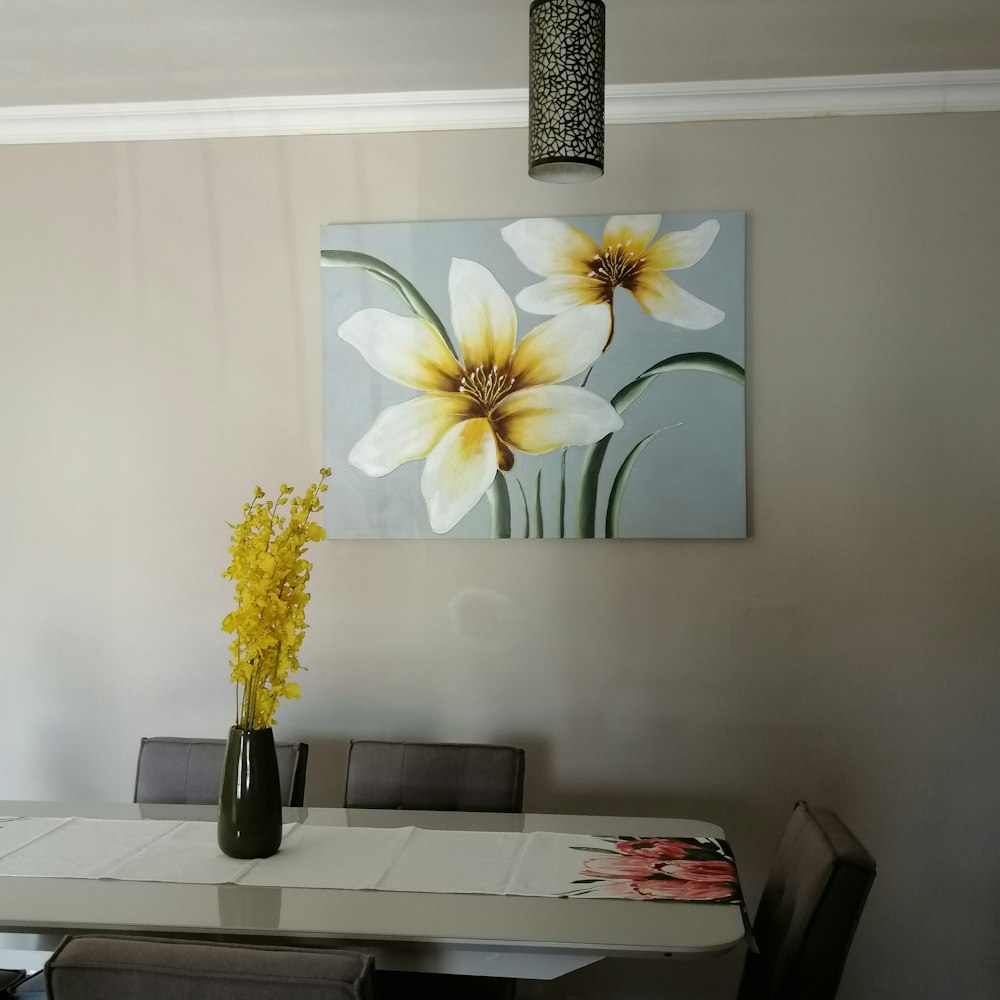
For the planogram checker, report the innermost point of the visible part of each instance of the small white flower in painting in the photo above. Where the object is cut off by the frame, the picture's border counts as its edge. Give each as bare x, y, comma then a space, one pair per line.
579, 271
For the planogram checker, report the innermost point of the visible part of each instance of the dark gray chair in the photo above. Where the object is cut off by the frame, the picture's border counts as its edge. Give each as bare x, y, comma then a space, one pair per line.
809, 910
469, 777
126, 968
10, 979
172, 769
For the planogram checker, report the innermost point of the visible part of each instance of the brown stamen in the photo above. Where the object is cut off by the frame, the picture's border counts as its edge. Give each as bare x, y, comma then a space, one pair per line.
487, 385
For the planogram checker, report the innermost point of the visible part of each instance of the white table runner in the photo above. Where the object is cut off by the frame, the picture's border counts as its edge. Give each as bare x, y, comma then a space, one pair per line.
404, 859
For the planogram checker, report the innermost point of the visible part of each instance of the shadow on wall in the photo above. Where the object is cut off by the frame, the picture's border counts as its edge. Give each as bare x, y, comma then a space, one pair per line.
328, 774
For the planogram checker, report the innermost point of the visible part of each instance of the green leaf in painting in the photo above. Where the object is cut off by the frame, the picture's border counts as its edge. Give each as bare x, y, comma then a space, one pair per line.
537, 527
499, 497
593, 459
621, 481
524, 504
384, 272
562, 493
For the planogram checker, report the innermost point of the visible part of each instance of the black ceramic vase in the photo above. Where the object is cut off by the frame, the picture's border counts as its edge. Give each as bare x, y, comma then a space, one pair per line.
250, 798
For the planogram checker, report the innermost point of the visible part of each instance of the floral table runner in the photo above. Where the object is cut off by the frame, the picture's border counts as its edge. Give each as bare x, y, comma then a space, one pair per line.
404, 859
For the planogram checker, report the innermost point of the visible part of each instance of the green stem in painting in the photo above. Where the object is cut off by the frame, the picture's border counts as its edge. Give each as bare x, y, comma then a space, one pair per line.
611, 328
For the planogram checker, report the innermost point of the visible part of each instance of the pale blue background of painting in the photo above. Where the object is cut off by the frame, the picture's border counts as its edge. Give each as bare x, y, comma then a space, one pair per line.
690, 482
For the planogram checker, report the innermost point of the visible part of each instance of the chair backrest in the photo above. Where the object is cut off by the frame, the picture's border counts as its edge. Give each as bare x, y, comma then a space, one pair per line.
809, 910
94, 968
470, 777
172, 769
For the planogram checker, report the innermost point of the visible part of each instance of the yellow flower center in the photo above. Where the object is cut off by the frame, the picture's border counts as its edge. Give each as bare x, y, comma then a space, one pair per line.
616, 265
487, 385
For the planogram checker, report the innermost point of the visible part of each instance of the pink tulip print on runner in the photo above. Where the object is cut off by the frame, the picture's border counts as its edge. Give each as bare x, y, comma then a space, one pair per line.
660, 868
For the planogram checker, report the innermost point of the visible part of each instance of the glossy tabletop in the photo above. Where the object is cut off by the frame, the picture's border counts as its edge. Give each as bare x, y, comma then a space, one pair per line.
521, 936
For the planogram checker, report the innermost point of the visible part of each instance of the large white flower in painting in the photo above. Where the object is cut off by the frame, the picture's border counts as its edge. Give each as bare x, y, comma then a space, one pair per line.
474, 412
578, 271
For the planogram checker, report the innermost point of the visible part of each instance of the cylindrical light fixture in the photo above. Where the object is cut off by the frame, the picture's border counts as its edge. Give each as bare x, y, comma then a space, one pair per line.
566, 90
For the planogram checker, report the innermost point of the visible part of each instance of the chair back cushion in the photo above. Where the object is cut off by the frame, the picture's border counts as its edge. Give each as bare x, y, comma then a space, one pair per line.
809, 910
95, 968
172, 769
470, 777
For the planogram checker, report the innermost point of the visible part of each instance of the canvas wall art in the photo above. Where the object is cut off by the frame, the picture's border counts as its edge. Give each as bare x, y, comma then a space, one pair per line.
578, 377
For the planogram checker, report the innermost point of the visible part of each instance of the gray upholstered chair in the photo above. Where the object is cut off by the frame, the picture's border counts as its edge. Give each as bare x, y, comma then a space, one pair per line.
172, 769
94, 968
809, 910
469, 777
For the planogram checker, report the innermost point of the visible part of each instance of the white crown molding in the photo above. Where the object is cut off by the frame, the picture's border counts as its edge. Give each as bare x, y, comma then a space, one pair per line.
725, 100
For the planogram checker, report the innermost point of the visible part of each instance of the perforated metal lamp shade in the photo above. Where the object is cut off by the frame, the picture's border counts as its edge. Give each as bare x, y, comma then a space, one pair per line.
566, 90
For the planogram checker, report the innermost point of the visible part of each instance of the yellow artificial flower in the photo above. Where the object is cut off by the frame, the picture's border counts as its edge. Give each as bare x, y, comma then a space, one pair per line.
579, 271
268, 623
473, 412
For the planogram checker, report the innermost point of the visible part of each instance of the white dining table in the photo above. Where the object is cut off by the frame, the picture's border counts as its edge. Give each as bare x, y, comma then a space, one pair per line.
524, 937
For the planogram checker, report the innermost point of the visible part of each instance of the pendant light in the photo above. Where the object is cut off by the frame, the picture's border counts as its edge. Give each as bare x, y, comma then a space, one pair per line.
566, 90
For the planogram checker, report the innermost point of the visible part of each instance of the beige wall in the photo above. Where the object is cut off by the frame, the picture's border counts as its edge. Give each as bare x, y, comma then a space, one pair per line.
160, 311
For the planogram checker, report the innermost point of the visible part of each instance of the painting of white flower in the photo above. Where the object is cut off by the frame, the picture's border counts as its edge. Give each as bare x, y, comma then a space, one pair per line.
579, 377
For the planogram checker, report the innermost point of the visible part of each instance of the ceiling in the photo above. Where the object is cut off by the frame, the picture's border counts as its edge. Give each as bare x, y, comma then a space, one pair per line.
110, 51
